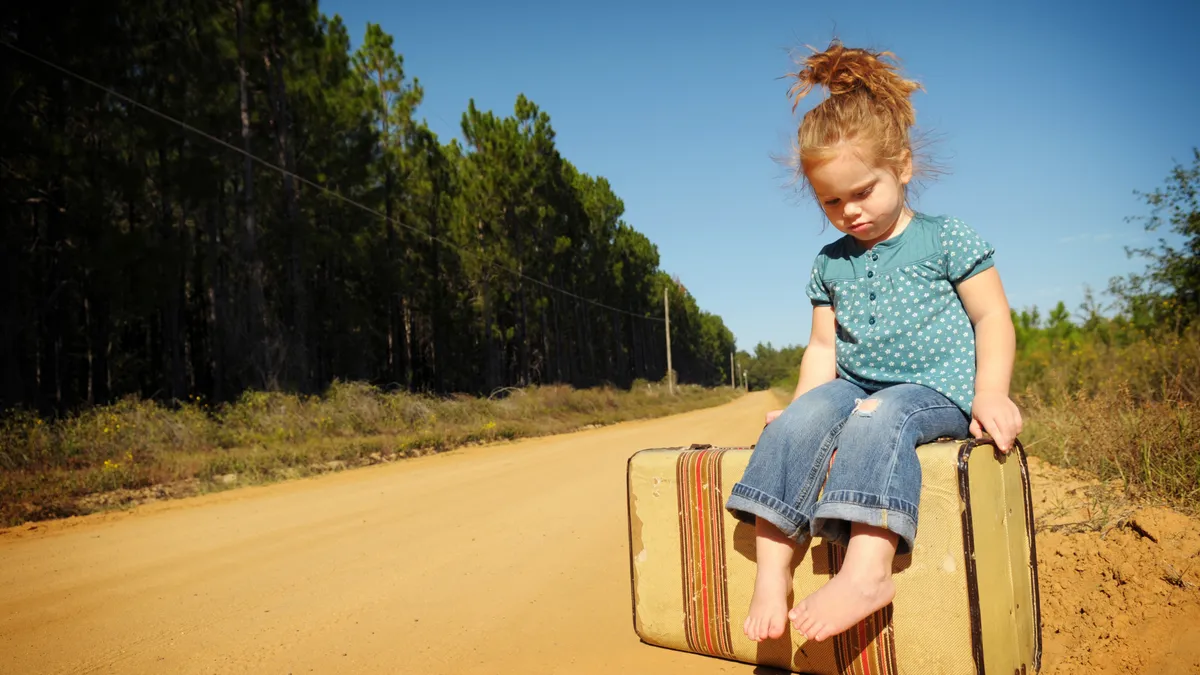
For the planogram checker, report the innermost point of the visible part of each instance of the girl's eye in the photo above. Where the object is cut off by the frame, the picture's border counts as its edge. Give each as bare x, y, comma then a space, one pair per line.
832, 202
865, 192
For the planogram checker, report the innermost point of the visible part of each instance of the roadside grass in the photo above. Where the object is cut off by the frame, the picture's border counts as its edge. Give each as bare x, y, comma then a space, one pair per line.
134, 451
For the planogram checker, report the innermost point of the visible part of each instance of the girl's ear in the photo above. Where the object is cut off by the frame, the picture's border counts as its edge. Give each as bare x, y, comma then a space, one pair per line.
906, 168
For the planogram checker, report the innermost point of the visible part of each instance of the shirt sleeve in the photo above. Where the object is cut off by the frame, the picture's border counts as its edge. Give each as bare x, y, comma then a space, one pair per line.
966, 252
816, 290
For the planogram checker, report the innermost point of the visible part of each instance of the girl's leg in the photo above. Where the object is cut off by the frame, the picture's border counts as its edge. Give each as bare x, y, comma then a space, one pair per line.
773, 552
871, 500
777, 491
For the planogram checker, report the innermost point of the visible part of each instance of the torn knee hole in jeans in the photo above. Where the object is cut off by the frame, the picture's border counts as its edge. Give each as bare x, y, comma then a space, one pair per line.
865, 407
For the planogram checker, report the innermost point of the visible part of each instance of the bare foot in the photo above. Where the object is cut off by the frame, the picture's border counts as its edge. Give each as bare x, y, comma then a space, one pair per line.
841, 603
862, 587
768, 608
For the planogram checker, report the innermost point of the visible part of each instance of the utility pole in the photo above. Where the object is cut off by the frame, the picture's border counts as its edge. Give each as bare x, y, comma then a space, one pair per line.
667, 314
732, 373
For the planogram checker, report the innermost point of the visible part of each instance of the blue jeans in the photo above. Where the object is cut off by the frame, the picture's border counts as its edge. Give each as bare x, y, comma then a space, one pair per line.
876, 478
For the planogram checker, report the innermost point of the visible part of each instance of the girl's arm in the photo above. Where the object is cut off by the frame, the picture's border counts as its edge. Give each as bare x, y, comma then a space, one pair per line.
819, 363
995, 350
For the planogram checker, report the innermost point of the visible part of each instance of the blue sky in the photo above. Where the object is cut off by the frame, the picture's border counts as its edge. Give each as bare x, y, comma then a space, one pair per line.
1048, 116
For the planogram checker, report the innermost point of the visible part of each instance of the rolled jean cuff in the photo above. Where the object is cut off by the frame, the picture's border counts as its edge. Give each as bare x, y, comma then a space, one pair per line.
746, 504
894, 515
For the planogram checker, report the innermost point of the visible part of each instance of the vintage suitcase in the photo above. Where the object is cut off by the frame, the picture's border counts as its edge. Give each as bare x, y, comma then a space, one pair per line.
966, 596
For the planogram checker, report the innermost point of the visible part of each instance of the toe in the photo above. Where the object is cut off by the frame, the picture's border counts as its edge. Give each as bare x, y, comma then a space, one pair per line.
798, 613
775, 628
794, 620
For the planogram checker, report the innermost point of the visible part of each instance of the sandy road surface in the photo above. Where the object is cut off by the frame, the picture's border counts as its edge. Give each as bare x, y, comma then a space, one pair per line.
503, 559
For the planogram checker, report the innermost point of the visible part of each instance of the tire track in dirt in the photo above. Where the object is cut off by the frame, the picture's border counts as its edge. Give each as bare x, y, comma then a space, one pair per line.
497, 559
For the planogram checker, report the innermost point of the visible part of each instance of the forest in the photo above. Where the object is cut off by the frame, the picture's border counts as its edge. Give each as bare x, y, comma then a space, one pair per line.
204, 199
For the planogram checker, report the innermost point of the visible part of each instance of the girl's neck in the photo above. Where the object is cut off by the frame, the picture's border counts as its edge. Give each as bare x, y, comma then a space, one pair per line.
897, 228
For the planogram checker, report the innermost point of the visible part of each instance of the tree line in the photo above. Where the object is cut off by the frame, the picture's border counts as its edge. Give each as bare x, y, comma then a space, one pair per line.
347, 242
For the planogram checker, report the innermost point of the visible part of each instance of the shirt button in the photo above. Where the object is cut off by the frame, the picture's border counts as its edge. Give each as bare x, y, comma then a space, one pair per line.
874, 257
872, 321
872, 296
870, 273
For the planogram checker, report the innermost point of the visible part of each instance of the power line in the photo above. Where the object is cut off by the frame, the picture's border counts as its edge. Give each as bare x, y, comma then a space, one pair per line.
306, 181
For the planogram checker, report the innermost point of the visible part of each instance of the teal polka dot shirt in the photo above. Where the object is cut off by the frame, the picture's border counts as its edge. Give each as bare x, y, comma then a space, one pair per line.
899, 317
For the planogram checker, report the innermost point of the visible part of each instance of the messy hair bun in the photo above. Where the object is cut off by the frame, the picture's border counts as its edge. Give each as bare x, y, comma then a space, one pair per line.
868, 104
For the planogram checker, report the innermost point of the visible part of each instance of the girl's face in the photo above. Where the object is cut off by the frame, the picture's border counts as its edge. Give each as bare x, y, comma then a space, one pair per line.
860, 199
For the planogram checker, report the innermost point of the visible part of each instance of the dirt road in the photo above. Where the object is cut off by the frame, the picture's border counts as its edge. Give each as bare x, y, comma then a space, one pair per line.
510, 558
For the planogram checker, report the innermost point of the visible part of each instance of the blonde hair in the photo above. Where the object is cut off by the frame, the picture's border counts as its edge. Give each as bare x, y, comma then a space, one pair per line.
868, 105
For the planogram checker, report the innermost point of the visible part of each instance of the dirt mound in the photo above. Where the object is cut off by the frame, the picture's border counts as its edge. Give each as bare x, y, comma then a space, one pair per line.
1120, 586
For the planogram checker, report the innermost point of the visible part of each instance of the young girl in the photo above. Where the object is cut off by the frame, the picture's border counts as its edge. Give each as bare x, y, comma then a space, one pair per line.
912, 340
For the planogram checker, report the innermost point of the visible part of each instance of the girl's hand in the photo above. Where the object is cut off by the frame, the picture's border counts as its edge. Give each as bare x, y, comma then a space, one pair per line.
772, 415
999, 416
